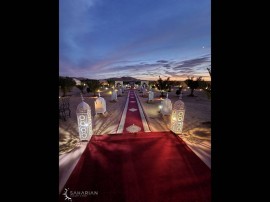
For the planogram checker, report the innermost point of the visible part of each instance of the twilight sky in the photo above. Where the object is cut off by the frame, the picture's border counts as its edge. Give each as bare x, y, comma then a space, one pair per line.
99, 39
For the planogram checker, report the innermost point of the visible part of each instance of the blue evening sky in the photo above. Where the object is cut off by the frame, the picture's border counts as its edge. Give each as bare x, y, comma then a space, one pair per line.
99, 39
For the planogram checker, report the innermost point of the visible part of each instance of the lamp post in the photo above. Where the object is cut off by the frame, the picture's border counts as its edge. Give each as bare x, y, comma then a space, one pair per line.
177, 118
84, 119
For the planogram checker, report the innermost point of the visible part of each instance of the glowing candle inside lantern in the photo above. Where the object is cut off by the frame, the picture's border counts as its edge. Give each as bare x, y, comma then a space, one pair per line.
84, 119
177, 118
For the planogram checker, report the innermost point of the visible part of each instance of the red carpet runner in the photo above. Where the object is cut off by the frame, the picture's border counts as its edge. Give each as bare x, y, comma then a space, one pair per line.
132, 119
133, 122
141, 167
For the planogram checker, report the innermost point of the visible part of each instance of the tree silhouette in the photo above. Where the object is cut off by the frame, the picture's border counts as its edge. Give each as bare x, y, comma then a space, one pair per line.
193, 84
163, 85
207, 88
66, 83
110, 82
178, 91
93, 85
209, 70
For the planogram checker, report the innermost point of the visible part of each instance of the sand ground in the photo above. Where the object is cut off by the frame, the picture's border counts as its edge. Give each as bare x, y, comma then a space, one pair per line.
196, 129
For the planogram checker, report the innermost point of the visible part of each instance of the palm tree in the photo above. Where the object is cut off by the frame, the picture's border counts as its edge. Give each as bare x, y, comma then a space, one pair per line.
209, 70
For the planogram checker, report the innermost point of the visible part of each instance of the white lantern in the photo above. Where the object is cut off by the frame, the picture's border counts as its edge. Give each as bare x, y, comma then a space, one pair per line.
100, 105
151, 96
84, 121
166, 106
114, 96
119, 92
177, 118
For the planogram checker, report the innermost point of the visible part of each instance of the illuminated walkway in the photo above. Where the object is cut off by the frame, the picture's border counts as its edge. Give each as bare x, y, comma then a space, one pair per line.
133, 119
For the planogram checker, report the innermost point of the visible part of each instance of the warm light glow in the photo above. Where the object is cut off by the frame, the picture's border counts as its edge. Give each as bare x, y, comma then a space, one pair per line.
110, 92
84, 121
160, 106
106, 88
166, 107
100, 105
177, 119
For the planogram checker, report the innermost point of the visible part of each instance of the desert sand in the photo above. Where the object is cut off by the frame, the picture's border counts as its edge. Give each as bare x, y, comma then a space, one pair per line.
197, 122
196, 129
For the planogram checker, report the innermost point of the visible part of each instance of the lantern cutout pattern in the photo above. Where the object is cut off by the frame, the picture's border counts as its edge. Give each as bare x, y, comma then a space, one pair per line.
177, 118
100, 105
84, 119
166, 106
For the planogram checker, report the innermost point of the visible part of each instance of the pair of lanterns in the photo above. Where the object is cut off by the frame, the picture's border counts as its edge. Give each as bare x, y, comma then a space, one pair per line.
85, 121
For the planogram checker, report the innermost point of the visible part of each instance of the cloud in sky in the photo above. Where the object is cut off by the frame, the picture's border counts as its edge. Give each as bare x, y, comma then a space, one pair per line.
162, 61
99, 37
192, 62
174, 69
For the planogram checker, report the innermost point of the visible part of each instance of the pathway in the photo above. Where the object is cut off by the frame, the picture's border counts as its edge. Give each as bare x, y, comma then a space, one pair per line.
133, 119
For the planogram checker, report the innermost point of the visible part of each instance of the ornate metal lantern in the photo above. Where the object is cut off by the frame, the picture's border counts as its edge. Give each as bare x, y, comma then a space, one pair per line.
166, 106
84, 121
177, 118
